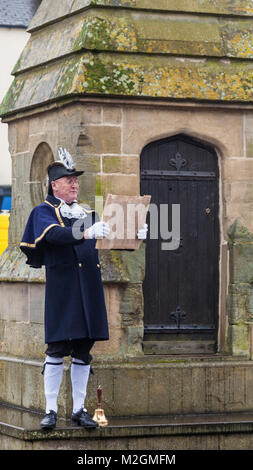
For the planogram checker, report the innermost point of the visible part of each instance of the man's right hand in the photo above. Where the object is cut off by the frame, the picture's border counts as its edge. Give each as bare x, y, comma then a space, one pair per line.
98, 230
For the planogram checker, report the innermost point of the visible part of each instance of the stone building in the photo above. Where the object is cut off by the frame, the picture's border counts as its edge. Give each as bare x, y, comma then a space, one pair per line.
150, 98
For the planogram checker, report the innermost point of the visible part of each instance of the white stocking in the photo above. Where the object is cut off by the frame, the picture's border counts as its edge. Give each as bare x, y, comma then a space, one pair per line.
53, 370
79, 378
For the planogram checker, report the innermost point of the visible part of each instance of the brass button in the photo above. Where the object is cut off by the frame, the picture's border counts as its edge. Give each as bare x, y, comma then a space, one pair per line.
98, 265
80, 265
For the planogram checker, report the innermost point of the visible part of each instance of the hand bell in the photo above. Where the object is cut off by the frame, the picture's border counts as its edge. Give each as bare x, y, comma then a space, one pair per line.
99, 415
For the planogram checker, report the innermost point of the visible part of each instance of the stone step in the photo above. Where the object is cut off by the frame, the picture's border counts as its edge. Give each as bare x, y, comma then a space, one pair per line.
19, 429
152, 385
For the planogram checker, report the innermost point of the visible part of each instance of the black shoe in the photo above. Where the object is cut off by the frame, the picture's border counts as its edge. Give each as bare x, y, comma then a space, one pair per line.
82, 418
49, 420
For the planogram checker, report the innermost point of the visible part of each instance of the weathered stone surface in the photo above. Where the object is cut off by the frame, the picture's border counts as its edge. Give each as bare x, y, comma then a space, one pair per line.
25, 340
238, 336
242, 263
22, 136
105, 139
242, 210
239, 233
54, 64
20, 430
241, 169
128, 75
123, 267
234, 192
22, 385
132, 337
117, 184
240, 303
158, 122
112, 115
113, 346
143, 33
249, 146
36, 302
237, 7
48, 12
89, 163
14, 299
249, 123
124, 165
226, 438
240, 293
149, 387
13, 268
238, 39
10, 383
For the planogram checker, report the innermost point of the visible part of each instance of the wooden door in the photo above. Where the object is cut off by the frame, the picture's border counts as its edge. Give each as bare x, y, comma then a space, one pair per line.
181, 287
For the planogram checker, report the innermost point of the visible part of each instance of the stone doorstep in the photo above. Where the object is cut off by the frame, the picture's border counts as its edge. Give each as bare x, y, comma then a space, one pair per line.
123, 427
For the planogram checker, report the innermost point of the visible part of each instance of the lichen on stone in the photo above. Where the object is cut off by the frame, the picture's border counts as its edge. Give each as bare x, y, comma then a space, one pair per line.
128, 75
240, 44
238, 232
186, 80
105, 78
103, 33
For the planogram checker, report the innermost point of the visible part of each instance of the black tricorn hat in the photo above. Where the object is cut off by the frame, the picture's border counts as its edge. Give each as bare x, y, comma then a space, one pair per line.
61, 168
57, 170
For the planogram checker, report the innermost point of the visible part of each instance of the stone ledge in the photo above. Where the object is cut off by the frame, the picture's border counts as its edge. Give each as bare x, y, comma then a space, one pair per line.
23, 425
117, 266
50, 12
149, 33
132, 76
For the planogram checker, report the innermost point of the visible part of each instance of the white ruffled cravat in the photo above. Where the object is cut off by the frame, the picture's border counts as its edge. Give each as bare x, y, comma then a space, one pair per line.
75, 211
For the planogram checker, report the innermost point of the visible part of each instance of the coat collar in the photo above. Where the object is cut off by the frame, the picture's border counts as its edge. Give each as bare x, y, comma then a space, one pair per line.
57, 203
53, 201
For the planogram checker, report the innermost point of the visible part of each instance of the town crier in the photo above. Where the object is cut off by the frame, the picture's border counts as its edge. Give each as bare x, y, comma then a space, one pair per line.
75, 310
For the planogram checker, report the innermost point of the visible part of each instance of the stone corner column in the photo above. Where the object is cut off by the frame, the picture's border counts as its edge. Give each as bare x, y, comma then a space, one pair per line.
240, 291
123, 273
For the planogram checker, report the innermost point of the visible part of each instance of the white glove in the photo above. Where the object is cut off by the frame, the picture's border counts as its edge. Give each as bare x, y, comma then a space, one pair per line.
142, 232
99, 230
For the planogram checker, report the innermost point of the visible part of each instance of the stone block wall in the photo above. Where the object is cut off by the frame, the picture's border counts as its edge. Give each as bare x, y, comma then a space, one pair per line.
106, 138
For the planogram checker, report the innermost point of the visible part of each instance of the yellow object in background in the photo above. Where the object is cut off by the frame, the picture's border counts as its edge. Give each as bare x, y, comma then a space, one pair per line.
4, 225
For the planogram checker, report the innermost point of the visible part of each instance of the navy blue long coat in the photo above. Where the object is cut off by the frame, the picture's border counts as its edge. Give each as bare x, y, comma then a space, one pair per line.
74, 303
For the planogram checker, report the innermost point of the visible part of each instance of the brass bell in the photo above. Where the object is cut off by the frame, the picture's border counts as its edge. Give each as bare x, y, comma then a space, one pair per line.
99, 414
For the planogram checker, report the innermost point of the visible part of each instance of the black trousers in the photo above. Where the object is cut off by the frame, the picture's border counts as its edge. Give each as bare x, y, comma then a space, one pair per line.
77, 348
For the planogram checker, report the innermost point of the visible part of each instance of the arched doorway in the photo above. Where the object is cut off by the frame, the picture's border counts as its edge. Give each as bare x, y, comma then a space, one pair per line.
42, 157
181, 286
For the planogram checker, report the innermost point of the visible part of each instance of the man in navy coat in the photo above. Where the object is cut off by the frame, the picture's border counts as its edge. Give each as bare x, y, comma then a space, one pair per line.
75, 311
